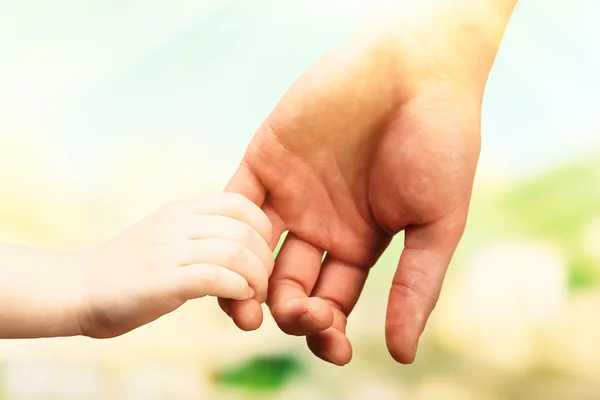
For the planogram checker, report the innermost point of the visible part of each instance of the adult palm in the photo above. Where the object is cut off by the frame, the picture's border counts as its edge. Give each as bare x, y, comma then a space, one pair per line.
364, 145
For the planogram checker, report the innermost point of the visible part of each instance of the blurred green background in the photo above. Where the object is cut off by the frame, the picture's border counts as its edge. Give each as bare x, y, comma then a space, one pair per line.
109, 109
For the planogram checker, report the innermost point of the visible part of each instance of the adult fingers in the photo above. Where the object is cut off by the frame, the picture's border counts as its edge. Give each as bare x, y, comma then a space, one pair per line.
417, 283
340, 285
247, 314
246, 183
296, 270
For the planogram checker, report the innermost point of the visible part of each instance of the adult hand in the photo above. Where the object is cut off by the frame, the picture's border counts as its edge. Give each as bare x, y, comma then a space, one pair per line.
380, 136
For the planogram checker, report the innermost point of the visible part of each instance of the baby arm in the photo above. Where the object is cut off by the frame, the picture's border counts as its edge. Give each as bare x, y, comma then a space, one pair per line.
216, 245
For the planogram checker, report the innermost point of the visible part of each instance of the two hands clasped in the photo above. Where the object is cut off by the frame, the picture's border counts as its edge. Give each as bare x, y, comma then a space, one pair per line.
382, 135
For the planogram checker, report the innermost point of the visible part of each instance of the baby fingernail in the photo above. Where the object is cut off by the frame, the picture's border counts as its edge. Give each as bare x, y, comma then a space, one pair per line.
250, 292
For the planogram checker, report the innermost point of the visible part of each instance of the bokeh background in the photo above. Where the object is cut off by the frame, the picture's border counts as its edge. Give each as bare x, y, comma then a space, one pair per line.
108, 109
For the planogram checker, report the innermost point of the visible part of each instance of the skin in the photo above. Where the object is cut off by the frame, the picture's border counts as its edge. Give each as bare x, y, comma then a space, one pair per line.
380, 136
215, 246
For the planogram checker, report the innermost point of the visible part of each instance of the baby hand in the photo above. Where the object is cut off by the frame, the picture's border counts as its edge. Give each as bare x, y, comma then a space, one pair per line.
215, 246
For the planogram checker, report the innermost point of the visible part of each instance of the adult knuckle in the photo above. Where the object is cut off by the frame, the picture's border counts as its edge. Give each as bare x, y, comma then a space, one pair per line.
408, 290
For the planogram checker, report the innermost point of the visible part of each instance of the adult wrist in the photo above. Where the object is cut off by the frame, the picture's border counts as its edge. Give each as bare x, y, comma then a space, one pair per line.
440, 39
